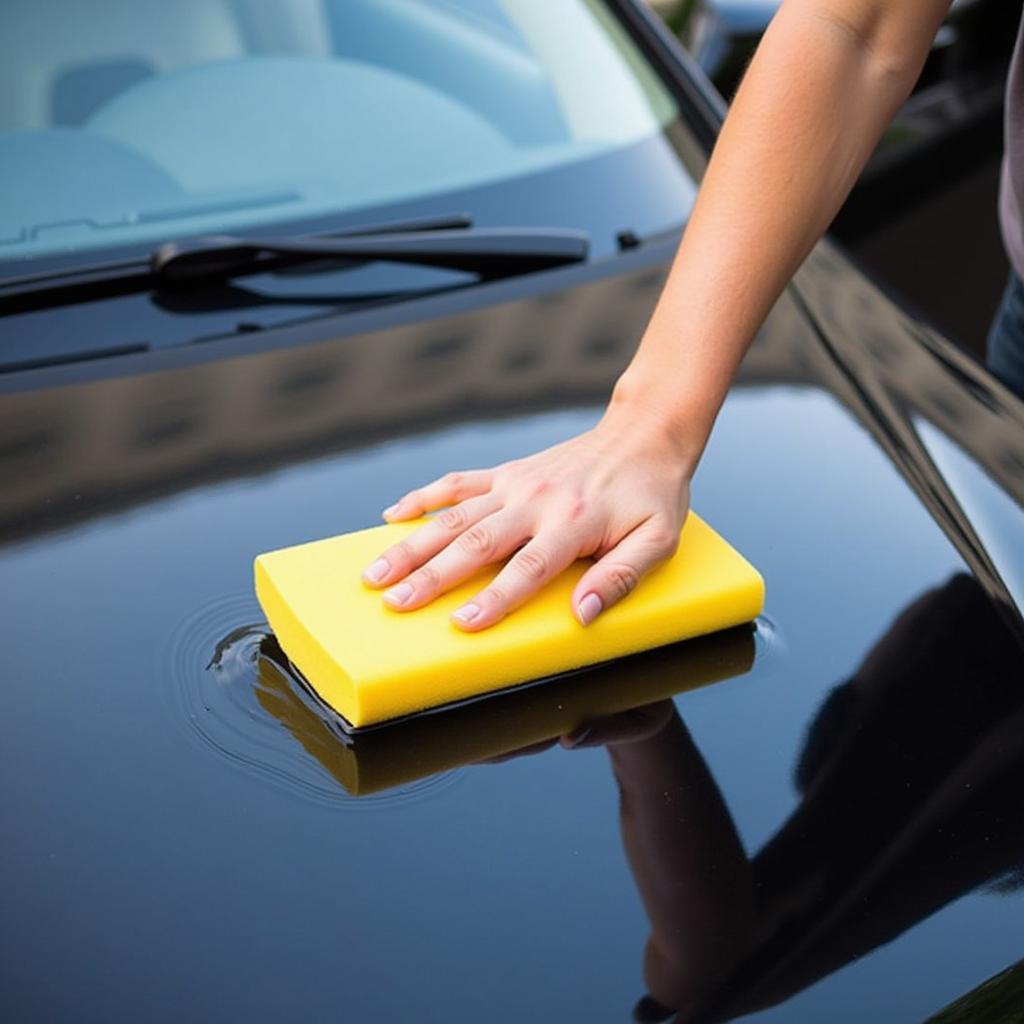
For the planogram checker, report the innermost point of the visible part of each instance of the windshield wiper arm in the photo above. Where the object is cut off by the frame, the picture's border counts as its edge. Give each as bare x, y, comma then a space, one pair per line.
487, 252
98, 280
441, 241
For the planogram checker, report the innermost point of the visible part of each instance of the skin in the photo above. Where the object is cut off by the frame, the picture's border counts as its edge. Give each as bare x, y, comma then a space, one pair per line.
826, 80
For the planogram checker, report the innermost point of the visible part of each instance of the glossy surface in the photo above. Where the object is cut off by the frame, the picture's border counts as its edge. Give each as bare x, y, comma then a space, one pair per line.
181, 850
823, 824
661, 193
131, 122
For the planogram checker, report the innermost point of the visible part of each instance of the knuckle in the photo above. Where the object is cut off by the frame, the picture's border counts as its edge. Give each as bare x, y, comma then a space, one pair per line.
478, 541
622, 579
453, 480
576, 509
664, 542
533, 564
401, 554
426, 578
494, 596
452, 519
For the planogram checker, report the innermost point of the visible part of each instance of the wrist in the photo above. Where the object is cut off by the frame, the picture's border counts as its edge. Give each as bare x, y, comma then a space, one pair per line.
667, 421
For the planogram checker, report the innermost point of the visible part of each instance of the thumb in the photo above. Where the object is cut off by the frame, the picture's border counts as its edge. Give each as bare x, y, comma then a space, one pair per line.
615, 575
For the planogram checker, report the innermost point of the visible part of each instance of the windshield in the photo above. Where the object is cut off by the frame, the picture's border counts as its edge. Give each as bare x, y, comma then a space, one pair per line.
134, 121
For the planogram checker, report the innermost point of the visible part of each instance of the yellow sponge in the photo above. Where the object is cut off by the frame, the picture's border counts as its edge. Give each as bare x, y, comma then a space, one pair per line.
371, 664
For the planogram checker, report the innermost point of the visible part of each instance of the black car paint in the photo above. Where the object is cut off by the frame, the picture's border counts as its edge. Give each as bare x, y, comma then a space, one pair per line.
182, 850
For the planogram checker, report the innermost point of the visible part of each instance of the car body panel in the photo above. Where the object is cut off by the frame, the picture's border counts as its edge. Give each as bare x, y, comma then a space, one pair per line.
184, 844
178, 849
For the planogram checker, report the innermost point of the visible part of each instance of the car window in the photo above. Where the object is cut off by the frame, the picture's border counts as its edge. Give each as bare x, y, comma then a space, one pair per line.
129, 121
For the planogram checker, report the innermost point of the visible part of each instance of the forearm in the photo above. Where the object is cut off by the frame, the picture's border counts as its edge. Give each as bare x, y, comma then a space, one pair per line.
825, 82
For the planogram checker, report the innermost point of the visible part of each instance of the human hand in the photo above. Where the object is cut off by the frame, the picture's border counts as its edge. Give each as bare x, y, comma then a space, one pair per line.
618, 492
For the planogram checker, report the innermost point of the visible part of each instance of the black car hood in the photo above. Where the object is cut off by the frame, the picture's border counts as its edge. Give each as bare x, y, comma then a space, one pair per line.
824, 825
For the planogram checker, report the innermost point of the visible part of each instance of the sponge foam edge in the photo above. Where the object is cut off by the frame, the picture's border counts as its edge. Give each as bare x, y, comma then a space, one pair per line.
371, 664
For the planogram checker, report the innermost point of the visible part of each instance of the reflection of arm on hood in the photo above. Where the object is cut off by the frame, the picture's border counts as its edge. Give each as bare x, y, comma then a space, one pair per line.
688, 862
906, 775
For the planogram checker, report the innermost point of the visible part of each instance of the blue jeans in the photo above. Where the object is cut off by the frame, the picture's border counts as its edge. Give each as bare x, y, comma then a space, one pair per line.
1006, 337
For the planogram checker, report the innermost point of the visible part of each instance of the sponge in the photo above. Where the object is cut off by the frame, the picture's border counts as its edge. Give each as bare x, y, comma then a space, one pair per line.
371, 664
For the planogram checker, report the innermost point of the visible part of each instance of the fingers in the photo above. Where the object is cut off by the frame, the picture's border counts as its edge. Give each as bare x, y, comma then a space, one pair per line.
447, 490
492, 539
621, 569
527, 571
414, 550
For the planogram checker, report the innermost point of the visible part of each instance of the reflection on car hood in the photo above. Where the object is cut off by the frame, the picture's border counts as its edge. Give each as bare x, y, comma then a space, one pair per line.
836, 811
956, 434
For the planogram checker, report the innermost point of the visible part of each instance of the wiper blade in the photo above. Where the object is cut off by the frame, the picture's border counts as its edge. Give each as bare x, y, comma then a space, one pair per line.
448, 242
487, 252
100, 280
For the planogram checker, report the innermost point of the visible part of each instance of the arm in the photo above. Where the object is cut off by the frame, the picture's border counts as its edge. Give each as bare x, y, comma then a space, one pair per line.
825, 81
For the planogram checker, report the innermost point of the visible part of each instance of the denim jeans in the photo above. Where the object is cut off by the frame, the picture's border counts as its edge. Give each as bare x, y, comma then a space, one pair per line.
1006, 337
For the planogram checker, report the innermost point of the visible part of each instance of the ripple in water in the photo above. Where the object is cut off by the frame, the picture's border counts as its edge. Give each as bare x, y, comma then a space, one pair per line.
769, 645
233, 691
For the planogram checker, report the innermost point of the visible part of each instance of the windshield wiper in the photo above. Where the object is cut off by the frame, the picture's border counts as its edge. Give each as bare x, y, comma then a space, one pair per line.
449, 243
100, 280
487, 252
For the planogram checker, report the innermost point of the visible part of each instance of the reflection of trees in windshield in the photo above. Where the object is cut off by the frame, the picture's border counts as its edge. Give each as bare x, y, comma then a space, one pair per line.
910, 778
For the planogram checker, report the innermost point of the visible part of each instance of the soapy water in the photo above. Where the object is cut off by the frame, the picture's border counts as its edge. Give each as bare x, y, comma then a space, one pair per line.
234, 692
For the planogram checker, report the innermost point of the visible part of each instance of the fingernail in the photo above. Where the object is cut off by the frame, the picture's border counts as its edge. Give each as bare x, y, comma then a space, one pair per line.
467, 613
398, 595
376, 572
589, 608
391, 510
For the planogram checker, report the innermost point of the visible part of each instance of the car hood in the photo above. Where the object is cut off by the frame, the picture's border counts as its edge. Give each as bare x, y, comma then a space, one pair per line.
822, 825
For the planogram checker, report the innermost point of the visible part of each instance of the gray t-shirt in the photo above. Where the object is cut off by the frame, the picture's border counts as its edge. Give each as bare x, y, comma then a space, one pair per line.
1011, 191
